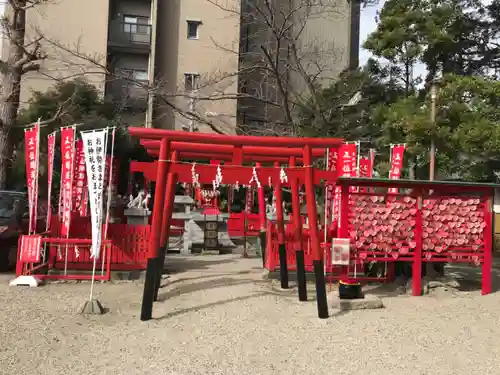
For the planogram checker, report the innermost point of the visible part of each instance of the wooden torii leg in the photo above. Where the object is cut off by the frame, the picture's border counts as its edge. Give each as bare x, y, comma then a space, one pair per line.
281, 233
167, 220
297, 224
262, 218
154, 243
319, 272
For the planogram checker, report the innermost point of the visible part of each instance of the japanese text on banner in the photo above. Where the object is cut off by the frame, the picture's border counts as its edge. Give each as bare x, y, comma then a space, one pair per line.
365, 169
347, 166
31, 138
397, 154
94, 144
30, 248
51, 147
67, 171
249, 198
331, 165
80, 183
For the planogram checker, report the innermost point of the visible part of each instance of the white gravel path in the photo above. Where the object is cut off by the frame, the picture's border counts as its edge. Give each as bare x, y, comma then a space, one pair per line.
219, 319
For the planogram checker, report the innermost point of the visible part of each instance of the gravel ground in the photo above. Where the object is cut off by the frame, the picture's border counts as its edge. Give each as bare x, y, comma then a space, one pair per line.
221, 318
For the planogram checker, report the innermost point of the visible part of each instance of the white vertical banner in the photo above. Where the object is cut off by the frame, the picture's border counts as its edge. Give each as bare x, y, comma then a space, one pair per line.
94, 145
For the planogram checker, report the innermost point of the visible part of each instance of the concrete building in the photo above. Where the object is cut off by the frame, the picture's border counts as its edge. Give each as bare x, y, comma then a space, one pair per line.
189, 53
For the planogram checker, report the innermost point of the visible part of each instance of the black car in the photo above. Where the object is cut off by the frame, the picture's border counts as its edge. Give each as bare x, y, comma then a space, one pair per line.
14, 221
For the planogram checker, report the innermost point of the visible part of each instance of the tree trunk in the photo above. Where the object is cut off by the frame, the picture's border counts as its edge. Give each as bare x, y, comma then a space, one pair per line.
5, 157
411, 169
10, 86
9, 105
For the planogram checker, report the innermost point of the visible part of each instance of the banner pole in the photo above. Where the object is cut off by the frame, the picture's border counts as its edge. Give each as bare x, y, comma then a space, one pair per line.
326, 206
108, 203
92, 282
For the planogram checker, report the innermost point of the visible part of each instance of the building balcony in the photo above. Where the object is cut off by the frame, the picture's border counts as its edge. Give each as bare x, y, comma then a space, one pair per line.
128, 95
129, 37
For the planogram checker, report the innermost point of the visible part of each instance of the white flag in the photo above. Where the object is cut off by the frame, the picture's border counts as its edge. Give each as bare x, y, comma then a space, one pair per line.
94, 145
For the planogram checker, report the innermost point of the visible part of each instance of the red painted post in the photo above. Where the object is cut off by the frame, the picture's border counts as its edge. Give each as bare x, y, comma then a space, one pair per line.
297, 225
154, 266
416, 285
262, 216
159, 200
262, 204
343, 229
280, 225
319, 272
488, 247
168, 206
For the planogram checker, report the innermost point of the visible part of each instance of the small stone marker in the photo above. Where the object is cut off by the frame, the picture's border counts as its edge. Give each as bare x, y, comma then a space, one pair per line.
93, 307
367, 303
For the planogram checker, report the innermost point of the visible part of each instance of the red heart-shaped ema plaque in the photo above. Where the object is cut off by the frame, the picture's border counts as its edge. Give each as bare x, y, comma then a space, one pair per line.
404, 250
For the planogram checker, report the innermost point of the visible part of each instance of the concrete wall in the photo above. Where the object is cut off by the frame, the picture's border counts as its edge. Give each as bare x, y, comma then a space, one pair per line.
214, 56
80, 28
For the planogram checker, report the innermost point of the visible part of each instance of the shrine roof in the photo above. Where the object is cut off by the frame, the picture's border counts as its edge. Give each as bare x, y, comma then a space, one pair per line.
236, 140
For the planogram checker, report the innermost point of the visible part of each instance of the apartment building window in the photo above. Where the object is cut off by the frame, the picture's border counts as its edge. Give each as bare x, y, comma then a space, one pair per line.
136, 25
193, 29
191, 81
137, 75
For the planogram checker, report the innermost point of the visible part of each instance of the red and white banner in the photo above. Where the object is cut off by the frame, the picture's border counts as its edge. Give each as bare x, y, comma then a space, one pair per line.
51, 148
249, 198
347, 167
301, 195
32, 143
80, 177
30, 249
371, 156
365, 167
331, 165
84, 207
397, 154
114, 176
67, 172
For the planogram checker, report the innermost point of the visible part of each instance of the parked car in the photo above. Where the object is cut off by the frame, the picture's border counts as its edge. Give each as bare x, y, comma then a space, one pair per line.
14, 221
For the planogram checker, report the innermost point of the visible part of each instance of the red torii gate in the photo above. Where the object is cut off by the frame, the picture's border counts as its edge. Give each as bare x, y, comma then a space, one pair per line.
238, 149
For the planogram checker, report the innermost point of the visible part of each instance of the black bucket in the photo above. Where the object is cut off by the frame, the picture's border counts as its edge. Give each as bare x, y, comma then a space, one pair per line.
350, 290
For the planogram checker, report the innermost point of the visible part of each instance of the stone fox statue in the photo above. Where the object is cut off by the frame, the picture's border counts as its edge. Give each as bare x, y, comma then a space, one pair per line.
137, 201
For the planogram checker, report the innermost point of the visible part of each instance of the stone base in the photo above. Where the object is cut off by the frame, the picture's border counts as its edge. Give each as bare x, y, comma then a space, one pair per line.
367, 303
30, 281
437, 284
93, 307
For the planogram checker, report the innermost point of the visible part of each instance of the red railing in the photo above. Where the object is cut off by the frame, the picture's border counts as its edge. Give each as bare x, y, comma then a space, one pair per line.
236, 225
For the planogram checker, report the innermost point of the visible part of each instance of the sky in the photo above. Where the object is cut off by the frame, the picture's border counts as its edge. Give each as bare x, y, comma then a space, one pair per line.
367, 26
